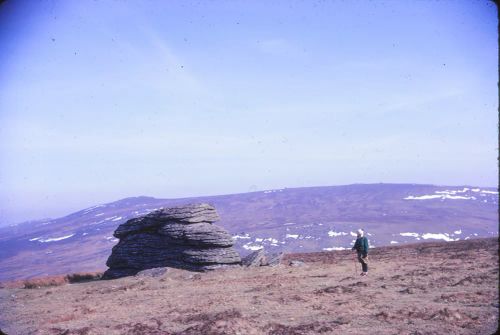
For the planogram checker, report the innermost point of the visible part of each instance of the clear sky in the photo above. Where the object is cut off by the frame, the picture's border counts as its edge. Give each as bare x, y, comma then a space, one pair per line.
101, 100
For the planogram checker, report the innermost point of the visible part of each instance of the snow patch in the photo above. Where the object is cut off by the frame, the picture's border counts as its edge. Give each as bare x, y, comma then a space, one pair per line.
438, 196
241, 237
489, 192
54, 239
438, 236
253, 247
273, 191
423, 197
332, 233
292, 236
452, 194
85, 211
394, 242
334, 248
458, 232
409, 234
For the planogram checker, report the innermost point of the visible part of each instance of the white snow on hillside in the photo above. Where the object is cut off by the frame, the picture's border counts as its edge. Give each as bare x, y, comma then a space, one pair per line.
439, 196
246, 236
252, 247
51, 239
489, 192
334, 248
465, 194
90, 209
273, 191
409, 234
292, 236
423, 197
332, 233
438, 237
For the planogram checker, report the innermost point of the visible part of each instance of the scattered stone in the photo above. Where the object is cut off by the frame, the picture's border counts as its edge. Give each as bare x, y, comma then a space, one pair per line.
154, 272
296, 263
256, 258
408, 290
179, 237
261, 258
274, 259
194, 277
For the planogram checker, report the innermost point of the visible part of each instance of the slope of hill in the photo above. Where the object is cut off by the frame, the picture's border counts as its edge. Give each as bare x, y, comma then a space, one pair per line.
425, 288
291, 220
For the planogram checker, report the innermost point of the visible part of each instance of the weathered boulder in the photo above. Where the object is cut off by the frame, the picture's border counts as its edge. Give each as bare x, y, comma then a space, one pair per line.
256, 258
180, 237
262, 258
296, 263
274, 259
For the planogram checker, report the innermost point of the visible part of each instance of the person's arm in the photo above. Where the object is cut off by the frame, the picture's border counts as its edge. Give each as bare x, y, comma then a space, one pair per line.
355, 244
365, 247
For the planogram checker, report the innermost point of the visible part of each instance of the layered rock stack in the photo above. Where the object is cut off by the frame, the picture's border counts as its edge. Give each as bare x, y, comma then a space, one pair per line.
180, 237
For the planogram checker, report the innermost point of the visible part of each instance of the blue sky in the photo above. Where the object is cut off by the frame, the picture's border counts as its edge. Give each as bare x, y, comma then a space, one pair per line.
101, 100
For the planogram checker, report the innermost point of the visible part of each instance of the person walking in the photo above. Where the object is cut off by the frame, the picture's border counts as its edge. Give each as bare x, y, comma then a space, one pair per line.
361, 246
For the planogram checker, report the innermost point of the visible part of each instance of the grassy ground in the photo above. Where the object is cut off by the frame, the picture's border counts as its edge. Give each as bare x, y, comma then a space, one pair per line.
429, 288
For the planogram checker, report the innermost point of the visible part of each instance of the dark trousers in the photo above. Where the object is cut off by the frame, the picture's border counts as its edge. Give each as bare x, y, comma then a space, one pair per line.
363, 261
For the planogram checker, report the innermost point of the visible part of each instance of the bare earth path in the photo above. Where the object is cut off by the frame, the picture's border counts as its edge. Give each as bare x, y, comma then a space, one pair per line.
429, 288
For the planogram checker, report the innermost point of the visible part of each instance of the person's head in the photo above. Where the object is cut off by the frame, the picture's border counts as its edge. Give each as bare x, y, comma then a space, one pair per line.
360, 232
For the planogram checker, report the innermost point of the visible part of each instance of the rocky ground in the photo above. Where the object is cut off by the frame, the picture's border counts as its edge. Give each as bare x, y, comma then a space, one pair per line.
428, 288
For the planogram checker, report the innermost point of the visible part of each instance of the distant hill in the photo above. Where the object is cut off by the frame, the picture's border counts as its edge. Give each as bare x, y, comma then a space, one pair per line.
290, 220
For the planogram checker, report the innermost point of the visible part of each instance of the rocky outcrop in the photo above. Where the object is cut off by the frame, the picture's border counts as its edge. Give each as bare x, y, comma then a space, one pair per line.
261, 258
256, 258
274, 259
180, 237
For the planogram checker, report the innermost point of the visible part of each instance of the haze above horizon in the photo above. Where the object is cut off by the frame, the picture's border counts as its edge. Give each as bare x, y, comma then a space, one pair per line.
104, 100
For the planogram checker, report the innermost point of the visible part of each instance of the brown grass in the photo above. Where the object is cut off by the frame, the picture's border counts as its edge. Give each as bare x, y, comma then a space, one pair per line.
49, 281
421, 289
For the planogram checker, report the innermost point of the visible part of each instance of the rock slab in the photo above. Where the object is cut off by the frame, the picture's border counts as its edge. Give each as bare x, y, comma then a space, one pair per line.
256, 258
261, 258
179, 237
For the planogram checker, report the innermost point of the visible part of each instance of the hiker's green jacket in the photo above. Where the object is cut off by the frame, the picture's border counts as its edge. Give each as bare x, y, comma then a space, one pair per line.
361, 245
